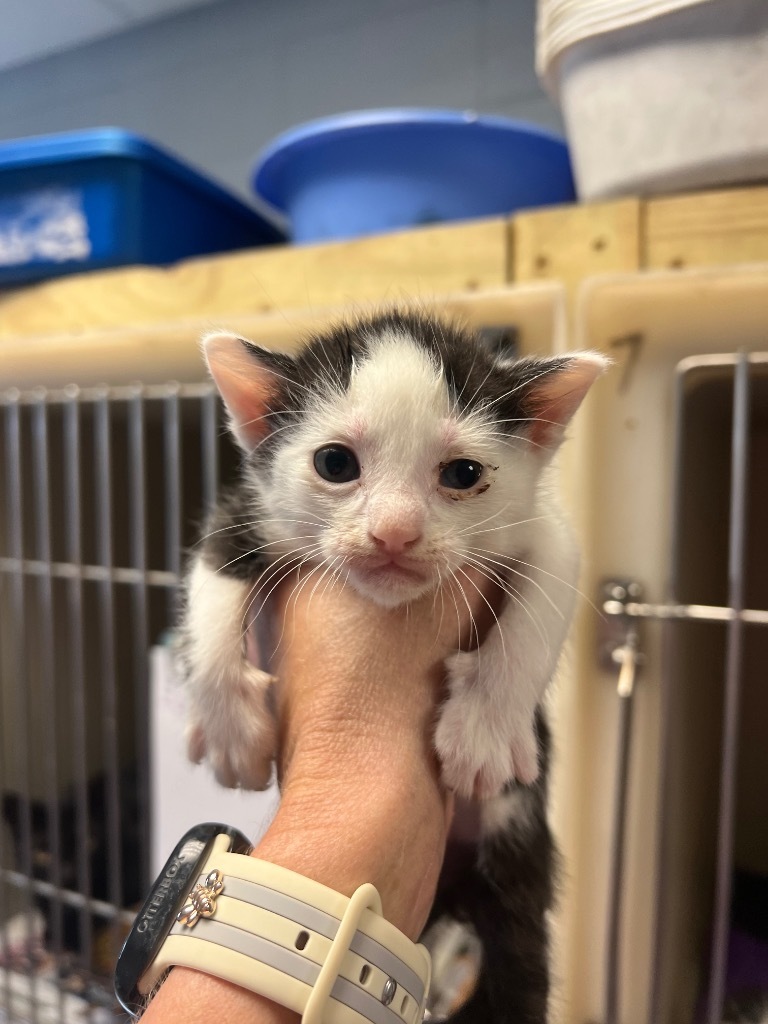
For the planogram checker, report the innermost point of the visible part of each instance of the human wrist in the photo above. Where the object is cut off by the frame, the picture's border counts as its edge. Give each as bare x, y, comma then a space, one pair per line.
339, 854
384, 823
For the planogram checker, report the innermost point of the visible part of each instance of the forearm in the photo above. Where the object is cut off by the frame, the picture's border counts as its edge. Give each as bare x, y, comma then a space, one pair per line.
361, 802
361, 794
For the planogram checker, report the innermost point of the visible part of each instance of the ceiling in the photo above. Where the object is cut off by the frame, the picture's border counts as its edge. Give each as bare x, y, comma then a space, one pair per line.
37, 28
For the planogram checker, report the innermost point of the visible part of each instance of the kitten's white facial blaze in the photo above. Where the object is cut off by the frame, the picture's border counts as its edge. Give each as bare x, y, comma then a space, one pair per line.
394, 532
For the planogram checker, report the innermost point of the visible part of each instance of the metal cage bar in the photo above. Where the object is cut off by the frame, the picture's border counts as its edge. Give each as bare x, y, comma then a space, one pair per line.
15, 546
736, 617
93, 514
733, 673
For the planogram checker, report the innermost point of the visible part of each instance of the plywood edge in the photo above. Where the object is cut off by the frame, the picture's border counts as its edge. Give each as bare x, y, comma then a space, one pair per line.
706, 228
434, 260
570, 243
170, 350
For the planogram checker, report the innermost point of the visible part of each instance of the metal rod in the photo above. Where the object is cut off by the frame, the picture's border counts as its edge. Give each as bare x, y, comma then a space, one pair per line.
697, 612
627, 660
173, 483
14, 495
103, 453
45, 633
4, 764
734, 656
97, 394
76, 648
140, 642
67, 896
669, 640
71, 570
4, 917
210, 449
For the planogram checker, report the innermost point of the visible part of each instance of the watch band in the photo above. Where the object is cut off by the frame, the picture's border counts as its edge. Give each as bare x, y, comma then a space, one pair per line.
331, 958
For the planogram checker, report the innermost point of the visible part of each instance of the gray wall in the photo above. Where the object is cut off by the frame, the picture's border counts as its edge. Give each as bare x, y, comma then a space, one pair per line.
217, 83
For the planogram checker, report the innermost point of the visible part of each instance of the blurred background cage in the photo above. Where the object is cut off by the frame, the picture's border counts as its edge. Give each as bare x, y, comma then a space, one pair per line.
103, 491
661, 813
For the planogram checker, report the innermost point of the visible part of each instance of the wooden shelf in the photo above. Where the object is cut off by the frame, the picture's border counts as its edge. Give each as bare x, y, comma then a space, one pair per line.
277, 293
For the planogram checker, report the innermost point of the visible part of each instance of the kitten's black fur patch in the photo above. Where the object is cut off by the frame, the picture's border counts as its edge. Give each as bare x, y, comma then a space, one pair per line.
505, 895
474, 376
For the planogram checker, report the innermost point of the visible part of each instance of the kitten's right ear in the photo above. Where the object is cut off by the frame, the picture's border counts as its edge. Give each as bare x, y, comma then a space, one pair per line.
248, 380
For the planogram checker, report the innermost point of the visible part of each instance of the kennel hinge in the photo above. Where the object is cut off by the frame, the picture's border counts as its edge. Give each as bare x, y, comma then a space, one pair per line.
622, 599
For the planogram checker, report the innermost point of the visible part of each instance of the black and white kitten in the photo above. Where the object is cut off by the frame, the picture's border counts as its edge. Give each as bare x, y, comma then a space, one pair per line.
393, 453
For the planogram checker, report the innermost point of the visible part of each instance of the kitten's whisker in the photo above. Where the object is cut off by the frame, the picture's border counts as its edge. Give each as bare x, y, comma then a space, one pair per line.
439, 590
297, 552
297, 591
327, 371
294, 568
529, 419
523, 384
260, 522
490, 609
320, 579
455, 603
473, 630
457, 397
535, 583
248, 619
552, 575
253, 551
509, 526
512, 592
504, 585
479, 387
289, 380
336, 574
292, 599
291, 563
258, 585
504, 526
511, 440
273, 431
490, 574
486, 520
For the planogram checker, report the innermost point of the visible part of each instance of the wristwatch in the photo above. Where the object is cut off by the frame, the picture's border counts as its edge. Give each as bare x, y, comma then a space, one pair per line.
334, 959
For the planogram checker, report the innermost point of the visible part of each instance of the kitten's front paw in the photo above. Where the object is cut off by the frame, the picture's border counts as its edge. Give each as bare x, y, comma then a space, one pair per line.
480, 747
231, 725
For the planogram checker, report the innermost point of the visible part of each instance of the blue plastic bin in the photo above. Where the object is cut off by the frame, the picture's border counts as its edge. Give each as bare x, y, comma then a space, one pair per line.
105, 198
377, 170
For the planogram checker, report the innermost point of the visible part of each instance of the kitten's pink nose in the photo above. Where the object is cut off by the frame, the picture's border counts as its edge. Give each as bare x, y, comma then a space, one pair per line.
394, 539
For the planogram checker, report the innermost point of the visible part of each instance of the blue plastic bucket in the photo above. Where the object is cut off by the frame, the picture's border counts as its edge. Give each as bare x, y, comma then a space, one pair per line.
373, 171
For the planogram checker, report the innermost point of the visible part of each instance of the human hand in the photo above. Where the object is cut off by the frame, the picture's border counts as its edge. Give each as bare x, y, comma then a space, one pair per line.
361, 794
357, 707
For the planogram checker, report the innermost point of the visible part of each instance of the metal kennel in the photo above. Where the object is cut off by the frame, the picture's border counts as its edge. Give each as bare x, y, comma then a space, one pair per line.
101, 490
656, 793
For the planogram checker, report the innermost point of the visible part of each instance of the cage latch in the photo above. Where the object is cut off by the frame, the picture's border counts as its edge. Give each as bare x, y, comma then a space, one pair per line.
618, 637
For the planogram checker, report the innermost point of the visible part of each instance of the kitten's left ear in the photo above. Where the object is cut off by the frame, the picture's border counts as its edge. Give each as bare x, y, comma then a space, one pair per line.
249, 380
557, 391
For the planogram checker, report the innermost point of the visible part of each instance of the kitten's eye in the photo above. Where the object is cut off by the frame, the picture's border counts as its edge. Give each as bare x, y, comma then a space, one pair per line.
336, 464
460, 474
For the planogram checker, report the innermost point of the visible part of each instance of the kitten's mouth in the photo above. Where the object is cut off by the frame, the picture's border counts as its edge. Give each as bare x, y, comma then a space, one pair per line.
390, 570
397, 570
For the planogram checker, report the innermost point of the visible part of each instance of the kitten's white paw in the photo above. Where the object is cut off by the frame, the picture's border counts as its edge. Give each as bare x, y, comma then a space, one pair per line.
480, 746
231, 725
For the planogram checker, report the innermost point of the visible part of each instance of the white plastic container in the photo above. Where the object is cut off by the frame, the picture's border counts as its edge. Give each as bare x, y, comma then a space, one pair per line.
677, 101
